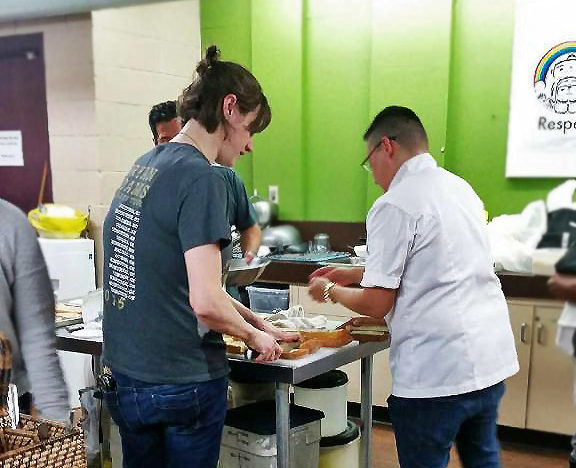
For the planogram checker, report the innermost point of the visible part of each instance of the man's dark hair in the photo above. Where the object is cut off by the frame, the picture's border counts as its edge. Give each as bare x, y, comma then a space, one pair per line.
398, 122
202, 99
163, 112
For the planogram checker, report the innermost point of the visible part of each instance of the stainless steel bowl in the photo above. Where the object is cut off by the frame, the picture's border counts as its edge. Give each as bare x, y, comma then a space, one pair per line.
266, 211
281, 236
241, 273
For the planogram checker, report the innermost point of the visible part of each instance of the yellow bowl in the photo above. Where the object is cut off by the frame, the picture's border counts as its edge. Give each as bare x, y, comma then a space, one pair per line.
57, 227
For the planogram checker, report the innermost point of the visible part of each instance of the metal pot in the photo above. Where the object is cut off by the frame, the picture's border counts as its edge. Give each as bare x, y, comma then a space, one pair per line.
266, 211
280, 237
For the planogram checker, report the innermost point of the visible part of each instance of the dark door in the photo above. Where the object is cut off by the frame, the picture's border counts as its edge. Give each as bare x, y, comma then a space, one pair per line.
23, 108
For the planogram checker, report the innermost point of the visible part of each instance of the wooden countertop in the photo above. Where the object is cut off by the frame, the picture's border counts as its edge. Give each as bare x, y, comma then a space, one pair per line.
344, 234
513, 285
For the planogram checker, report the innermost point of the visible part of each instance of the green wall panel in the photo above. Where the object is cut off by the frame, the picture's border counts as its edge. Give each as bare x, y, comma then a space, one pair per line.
479, 104
277, 63
411, 64
336, 108
328, 66
219, 24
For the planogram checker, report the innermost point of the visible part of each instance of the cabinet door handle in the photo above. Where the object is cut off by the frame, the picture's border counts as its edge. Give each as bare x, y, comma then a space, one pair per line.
540, 330
523, 328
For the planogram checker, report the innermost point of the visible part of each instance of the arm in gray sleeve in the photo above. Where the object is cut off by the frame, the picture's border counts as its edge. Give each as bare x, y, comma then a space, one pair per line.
245, 215
33, 314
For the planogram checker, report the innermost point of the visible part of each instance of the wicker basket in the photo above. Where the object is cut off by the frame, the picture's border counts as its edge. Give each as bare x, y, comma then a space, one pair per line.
22, 448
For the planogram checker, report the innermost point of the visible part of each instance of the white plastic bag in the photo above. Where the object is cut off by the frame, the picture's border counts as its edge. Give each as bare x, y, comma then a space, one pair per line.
513, 238
91, 410
562, 196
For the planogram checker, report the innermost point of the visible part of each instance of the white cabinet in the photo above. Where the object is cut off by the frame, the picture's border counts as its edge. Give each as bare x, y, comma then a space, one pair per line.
540, 396
514, 402
550, 390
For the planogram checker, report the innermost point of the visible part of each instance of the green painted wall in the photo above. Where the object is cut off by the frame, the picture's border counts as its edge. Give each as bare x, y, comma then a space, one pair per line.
228, 24
328, 66
335, 96
480, 75
410, 65
277, 62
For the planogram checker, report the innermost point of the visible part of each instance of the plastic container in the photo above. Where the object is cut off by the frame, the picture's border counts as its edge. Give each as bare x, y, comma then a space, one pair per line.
54, 221
70, 265
266, 300
249, 437
342, 450
544, 260
328, 393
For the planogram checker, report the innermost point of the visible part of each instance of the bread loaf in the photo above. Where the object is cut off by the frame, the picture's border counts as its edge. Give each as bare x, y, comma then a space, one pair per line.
328, 338
234, 345
295, 353
367, 331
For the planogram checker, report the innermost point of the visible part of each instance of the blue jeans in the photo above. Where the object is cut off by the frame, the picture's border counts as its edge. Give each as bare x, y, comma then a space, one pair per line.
426, 428
173, 426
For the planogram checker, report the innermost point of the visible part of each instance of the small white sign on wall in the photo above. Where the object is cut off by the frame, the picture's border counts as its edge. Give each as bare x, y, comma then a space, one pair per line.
11, 148
542, 125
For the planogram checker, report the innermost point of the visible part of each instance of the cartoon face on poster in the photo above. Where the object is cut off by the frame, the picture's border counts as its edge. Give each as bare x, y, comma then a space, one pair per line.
542, 116
555, 79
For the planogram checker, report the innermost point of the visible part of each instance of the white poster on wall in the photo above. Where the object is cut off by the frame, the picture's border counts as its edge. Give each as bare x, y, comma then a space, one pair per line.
11, 148
542, 126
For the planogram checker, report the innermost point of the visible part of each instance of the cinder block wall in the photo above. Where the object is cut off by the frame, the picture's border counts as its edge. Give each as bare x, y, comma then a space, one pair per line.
142, 55
104, 71
73, 133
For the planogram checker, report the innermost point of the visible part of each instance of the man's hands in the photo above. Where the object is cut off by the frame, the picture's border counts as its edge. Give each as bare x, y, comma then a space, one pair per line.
563, 287
343, 276
265, 344
316, 288
373, 301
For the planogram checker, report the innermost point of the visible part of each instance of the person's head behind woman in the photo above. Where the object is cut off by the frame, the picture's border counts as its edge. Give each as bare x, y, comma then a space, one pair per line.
225, 98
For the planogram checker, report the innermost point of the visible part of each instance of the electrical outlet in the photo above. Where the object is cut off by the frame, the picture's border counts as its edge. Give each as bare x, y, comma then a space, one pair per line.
273, 194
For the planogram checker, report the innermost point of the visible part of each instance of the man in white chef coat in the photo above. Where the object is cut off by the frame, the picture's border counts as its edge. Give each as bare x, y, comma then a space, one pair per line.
429, 273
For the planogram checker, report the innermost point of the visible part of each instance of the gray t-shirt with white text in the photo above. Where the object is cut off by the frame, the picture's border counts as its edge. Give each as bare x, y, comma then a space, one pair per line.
171, 201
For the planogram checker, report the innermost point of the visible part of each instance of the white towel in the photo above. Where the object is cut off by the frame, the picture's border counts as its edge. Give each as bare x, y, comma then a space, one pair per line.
294, 319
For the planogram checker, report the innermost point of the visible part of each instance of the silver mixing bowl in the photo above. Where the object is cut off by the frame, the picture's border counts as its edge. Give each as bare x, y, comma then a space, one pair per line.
242, 274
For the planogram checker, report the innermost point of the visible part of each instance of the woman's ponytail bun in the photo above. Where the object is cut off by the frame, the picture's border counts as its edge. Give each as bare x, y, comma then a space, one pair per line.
210, 58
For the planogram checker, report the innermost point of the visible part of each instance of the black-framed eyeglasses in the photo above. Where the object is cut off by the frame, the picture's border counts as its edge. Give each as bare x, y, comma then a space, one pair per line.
365, 164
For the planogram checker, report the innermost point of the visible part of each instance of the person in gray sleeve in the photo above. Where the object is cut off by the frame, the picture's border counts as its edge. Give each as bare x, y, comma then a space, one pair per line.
27, 315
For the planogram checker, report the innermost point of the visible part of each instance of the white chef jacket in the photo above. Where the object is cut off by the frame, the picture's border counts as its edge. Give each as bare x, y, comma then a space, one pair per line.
450, 326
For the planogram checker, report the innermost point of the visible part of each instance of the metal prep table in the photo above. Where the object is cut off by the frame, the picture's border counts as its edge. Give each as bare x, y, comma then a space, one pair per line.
285, 373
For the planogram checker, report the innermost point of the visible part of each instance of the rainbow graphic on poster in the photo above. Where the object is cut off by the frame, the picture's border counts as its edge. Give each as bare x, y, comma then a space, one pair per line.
542, 117
549, 58
555, 79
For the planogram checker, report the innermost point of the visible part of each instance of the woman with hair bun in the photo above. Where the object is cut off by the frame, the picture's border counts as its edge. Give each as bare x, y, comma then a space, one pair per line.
164, 306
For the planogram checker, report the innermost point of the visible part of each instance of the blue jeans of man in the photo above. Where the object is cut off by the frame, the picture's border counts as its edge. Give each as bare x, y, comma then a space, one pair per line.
426, 428
172, 426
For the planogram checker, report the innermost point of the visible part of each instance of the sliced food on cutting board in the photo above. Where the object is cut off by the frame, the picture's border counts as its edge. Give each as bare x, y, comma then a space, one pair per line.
235, 345
298, 350
310, 341
328, 338
366, 329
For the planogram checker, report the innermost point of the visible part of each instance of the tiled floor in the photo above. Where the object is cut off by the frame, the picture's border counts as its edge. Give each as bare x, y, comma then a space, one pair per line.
513, 456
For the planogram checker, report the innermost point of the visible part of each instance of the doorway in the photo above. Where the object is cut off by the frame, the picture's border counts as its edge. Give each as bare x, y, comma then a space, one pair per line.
23, 109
